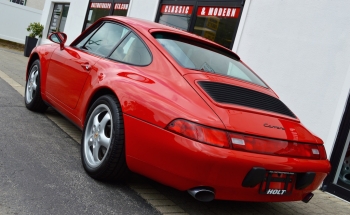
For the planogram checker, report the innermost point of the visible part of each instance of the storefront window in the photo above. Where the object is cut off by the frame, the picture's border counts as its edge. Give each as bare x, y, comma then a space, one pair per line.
177, 16
21, 2
120, 9
97, 10
217, 24
343, 171
215, 20
101, 8
59, 17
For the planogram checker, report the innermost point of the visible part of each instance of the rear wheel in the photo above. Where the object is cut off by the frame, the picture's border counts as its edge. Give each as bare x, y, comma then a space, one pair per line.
32, 97
102, 144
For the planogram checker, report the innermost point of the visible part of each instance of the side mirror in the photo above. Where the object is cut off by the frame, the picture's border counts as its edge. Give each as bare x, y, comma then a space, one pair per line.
58, 37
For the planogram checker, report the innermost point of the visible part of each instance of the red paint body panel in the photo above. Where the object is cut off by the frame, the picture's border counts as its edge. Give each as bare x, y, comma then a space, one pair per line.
66, 75
248, 120
152, 96
183, 163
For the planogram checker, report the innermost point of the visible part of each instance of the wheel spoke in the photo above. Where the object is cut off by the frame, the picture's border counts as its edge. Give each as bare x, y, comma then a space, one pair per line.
29, 94
95, 152
105, 141
104, 121
34, 86
90, 140
32, 76
96, 122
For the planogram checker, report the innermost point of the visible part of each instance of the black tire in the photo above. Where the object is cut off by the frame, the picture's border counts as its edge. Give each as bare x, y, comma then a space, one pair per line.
32, 95
103, 124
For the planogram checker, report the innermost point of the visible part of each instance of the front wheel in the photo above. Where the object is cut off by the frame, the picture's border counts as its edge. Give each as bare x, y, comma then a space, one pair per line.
32, 97
102, 143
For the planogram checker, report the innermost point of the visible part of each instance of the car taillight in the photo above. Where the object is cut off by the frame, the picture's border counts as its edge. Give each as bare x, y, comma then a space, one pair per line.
248, 143
277, 147
199, 133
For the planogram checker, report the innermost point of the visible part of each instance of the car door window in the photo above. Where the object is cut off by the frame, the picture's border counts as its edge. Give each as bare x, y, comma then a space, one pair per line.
133, 51
104, 39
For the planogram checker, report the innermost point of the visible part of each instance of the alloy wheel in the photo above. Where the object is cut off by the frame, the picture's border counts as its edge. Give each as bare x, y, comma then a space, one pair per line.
98, 135
32, 84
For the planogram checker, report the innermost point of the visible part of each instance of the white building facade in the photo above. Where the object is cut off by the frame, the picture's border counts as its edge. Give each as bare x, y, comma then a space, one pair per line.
300, 48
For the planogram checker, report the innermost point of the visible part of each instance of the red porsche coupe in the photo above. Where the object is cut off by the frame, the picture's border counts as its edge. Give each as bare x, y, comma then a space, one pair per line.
177, 108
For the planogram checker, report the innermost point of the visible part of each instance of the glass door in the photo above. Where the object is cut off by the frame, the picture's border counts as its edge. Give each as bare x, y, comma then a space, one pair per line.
58, 18
338, 181
342, 177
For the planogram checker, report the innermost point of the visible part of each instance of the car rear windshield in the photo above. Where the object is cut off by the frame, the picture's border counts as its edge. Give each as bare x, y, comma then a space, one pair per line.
198, 56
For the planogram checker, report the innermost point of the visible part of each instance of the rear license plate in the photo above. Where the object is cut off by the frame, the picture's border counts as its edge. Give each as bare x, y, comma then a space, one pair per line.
277, 183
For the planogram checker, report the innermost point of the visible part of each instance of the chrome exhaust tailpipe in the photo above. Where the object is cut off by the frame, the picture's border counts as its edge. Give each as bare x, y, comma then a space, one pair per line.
308, 197
202, 194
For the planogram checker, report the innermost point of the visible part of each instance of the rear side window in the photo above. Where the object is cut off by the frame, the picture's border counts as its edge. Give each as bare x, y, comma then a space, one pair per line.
195, 56
132, 51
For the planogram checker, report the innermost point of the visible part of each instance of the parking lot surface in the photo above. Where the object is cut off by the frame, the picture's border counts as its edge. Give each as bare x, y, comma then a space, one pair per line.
163, 199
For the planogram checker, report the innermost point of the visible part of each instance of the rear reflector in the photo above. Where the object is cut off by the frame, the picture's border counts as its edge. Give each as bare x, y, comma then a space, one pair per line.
248, 143
277, 147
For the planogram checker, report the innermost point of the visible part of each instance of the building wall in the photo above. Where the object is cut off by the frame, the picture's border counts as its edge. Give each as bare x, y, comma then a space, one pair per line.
77, 11
302, 50
37, 4
14, 20
143, 9
74, 22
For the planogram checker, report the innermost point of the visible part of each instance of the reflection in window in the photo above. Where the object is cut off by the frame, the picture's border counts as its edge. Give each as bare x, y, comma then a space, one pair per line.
59, 17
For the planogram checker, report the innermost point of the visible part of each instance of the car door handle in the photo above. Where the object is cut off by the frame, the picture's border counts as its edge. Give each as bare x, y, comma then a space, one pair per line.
86, 66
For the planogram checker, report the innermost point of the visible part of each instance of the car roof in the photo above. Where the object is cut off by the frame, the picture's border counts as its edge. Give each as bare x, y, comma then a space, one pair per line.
140, 23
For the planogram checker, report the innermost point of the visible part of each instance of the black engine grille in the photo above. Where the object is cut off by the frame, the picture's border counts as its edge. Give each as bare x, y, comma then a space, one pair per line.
230, 94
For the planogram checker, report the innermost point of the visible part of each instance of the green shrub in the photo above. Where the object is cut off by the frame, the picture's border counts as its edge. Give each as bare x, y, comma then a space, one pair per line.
35, 29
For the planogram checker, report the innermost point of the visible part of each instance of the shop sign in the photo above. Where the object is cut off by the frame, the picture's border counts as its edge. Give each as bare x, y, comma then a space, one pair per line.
101, 5
224, 12
176, 9
119, 6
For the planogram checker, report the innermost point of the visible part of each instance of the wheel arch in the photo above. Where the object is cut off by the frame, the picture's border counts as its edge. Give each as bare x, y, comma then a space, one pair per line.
95, 95
33, 57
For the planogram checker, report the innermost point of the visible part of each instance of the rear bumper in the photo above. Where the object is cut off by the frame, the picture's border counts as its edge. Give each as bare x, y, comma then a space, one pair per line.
184, 164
